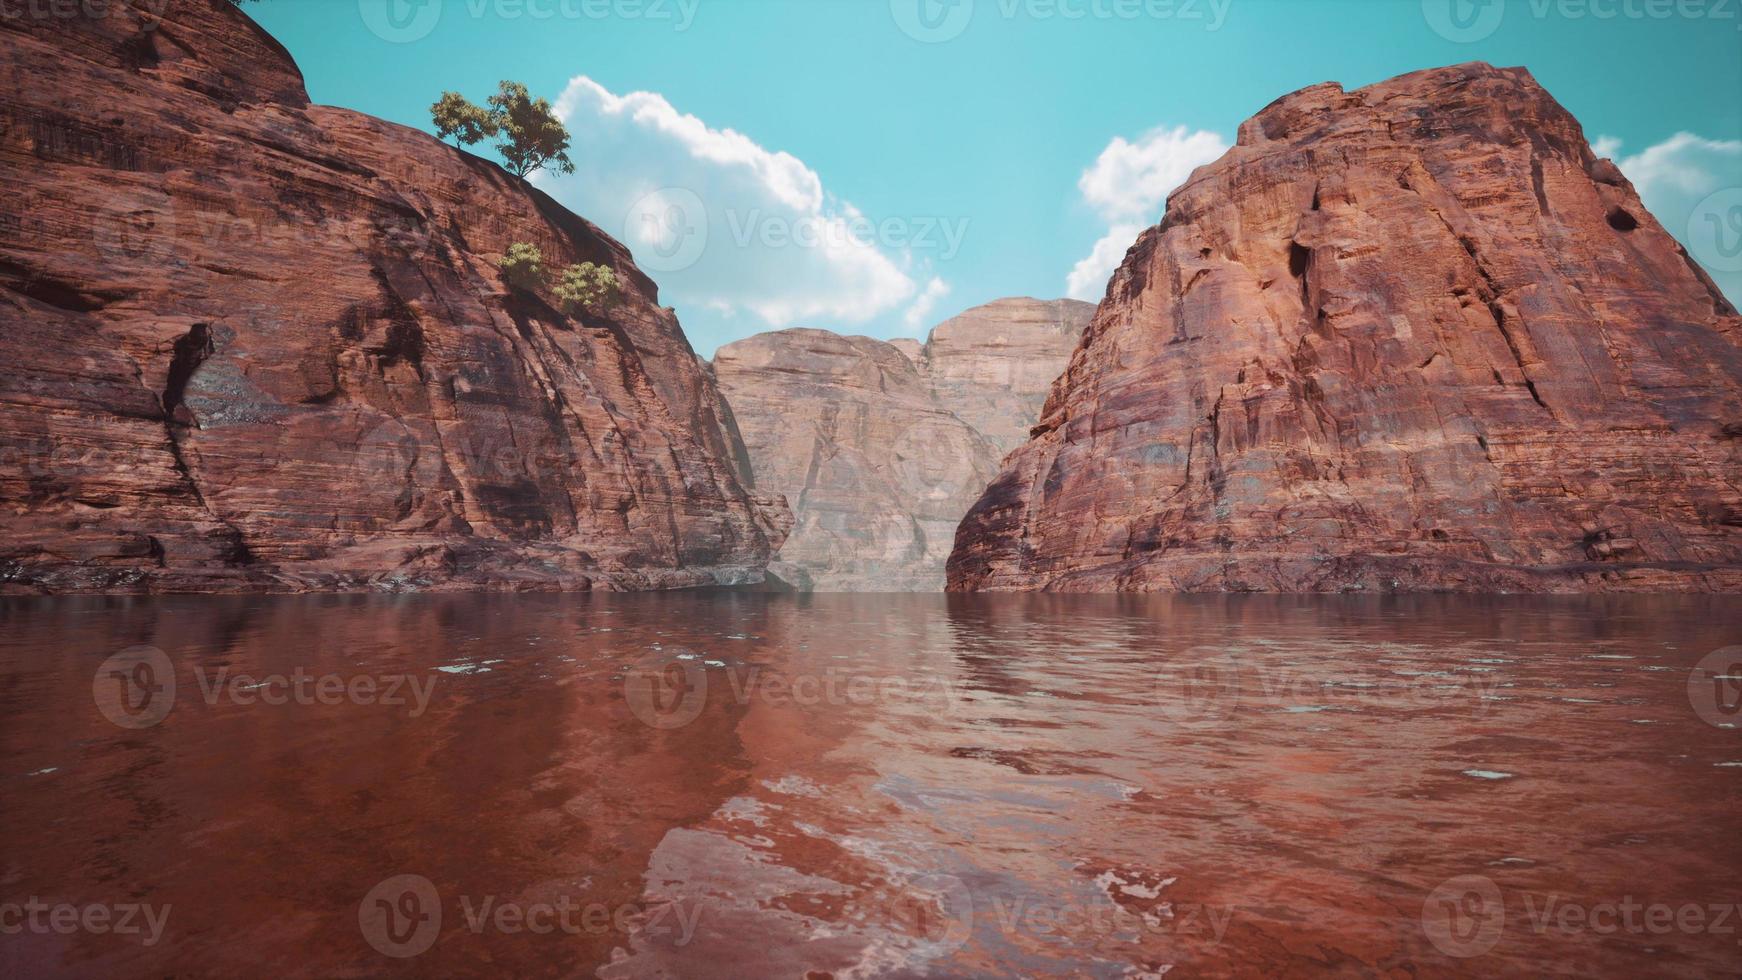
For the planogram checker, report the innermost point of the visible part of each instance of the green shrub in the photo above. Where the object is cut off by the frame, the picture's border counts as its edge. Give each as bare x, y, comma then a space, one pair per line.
587, 288
523, 267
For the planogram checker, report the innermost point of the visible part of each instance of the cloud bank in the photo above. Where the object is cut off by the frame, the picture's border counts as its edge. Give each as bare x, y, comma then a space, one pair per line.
724, 223
1693, 186
1128, 187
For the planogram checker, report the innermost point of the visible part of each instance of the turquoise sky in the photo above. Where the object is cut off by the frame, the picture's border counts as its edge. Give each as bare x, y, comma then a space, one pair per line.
990, 128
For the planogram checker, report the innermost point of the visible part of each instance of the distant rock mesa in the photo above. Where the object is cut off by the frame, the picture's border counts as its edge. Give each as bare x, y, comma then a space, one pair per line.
1412, 337
882, 447
256, 344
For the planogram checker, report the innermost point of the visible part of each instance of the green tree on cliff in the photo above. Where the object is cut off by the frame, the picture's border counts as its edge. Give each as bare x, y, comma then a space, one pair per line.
533, 137
461, 120
530, 136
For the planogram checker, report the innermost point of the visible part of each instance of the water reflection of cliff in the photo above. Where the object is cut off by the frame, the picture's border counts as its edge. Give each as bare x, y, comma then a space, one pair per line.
869, 785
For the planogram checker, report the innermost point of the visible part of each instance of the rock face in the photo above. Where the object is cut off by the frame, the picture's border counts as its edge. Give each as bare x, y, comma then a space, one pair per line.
254, 343
1411, 337
882, 447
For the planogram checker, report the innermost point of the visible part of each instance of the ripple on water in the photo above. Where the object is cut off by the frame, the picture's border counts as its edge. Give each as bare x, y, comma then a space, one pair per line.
1487, 774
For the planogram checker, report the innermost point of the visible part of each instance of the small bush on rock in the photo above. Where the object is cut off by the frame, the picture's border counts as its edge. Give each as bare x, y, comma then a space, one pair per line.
523, 267
587, 288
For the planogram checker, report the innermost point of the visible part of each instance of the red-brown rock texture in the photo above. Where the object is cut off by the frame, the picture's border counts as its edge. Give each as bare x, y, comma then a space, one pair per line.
252, 343
1411, 337
881, 447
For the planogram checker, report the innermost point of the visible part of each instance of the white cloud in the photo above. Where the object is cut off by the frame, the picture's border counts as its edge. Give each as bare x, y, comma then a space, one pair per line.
1674, 179
1088, 278
918, 314
1684, 163
1128, 186
718, 220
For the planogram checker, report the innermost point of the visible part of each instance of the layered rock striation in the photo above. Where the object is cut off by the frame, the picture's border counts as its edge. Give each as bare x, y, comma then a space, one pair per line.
1411, 337
881, 447
253, 343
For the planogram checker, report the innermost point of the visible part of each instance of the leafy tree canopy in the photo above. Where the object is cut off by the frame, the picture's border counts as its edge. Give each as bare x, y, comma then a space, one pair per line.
532, 136
461, 120
529, 135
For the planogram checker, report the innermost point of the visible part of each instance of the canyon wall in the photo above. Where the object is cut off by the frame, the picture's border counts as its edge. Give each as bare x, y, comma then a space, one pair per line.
253, 343
1411, 337
882, 447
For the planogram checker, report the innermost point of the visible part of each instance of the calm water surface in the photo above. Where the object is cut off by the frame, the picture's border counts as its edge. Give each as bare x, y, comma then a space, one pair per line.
854, 786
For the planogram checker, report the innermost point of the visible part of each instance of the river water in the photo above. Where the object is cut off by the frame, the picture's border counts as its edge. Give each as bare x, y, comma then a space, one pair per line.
742, 785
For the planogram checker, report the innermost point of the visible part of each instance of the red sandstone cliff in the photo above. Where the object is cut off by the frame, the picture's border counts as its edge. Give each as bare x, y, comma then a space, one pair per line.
882, 447
254, 343
1412, 337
